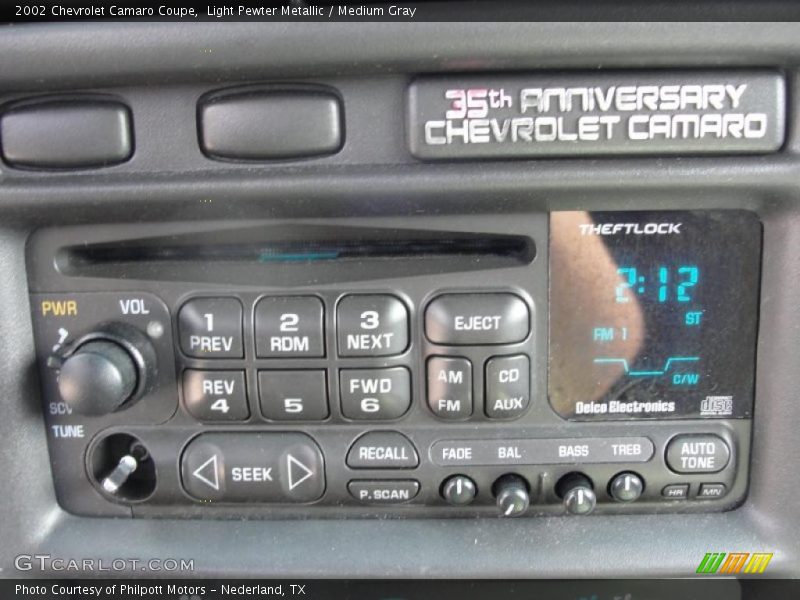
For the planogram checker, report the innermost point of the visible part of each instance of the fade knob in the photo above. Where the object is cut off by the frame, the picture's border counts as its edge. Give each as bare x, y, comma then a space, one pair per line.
105, 370
511, 492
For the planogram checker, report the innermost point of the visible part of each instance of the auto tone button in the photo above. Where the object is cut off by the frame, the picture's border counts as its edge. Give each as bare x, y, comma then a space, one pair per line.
697, 454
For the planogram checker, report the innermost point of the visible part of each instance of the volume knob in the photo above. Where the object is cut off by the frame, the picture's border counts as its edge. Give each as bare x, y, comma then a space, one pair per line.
106, 370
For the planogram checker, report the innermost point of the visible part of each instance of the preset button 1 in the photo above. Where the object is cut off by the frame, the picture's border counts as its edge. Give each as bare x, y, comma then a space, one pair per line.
371, 325
290, 326
211, 328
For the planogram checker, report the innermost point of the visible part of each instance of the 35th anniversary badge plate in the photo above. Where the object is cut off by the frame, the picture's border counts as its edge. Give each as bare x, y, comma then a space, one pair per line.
518, 116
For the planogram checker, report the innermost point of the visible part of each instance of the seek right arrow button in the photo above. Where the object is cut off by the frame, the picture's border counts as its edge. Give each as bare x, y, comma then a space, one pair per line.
302, 473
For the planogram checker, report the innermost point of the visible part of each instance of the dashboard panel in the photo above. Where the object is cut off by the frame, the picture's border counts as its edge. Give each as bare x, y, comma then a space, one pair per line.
362, 333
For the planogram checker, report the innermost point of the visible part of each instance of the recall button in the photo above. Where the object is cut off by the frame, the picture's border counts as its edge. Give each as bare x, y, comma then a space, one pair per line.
467, 319
382, 450
697, 454
394, 491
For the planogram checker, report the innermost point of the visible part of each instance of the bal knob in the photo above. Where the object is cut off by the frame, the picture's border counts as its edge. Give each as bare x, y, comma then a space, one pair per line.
511, 493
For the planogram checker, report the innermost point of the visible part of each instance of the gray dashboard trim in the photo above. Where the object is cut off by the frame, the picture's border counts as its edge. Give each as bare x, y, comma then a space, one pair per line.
51, 57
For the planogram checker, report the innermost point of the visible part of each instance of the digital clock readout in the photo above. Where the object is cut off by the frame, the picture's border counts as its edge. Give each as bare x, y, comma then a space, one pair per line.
653, 314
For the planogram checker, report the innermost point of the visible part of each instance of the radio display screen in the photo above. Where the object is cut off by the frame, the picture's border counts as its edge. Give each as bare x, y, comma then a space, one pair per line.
653, 314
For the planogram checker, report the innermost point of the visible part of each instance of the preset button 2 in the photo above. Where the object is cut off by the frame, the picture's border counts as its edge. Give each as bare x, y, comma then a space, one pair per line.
211, 328
371, 325
290, 326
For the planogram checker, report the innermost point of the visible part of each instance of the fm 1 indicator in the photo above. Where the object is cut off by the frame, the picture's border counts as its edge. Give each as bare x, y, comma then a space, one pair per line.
653, 314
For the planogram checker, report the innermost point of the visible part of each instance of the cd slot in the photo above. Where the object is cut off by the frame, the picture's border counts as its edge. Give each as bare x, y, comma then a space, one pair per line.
292, 255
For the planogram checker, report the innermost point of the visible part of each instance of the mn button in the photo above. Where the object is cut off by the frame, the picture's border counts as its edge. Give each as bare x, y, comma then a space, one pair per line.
382, 450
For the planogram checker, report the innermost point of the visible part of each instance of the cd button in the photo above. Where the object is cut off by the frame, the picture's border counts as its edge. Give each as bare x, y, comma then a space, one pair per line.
211, 328
375, 393
371, 325
507, 386
450, 387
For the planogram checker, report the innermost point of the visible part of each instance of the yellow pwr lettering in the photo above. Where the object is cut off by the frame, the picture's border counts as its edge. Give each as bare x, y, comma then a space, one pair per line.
59, 308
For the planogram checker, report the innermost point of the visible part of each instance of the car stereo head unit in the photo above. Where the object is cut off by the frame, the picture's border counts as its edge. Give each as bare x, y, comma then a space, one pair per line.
517, 364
